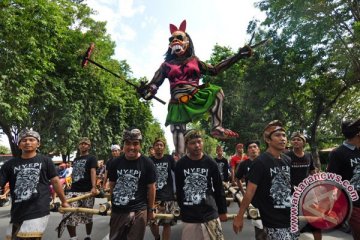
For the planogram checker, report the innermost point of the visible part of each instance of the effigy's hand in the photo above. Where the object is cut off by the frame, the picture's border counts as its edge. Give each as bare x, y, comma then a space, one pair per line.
150, 91
245, 51
147, 91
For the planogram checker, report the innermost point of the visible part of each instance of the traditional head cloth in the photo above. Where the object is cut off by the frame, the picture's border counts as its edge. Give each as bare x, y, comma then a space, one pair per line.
299, 135
272, 127
85, 140
115, 147
159, 140
192, 134
350, 128
134, 134
28, 133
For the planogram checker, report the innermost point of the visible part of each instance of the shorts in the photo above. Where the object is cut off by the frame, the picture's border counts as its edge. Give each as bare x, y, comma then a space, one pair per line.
281, 234
130, 226
166, 207
210, 230
354, 222
76, 218
29, 228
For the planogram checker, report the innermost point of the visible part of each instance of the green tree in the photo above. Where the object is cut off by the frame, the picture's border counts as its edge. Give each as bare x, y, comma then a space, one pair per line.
4, 150
42, 44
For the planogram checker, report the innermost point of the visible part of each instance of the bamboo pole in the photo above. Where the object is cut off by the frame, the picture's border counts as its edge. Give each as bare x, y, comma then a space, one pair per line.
74, 199
253, 212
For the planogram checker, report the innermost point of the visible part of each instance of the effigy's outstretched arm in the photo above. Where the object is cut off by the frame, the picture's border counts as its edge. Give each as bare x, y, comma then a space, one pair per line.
208, 69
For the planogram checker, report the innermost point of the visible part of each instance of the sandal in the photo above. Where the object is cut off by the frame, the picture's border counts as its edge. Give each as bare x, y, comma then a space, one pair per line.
223, 133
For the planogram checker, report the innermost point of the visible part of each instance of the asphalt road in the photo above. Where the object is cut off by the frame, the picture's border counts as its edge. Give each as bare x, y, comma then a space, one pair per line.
101, 228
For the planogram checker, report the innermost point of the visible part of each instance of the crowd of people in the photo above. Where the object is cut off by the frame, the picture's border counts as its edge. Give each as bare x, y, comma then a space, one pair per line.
144, 185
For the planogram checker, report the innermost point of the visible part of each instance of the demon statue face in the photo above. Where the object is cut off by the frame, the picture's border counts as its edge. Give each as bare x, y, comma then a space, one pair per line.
178, 42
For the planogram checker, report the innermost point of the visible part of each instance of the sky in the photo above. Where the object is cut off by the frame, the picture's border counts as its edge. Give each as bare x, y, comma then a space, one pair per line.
140, 29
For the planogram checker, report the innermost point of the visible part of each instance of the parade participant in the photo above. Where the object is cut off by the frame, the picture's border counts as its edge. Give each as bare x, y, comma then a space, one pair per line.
29, 176
200, 192
190, 100
222, 163
269, 187
151, 152
165, 199
253, 151
345, 161
83, 180
302, 165
236, 160
132, 179
115, 152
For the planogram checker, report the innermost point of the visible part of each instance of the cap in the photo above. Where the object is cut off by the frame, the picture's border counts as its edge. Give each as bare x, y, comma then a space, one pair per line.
299, 135
272, 127
350, 128
85, 140
115, 147
28, 133
133, 134
192, 134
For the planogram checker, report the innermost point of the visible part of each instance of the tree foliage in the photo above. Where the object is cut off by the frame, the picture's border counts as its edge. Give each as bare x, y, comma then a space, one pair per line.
307, 76
43, 86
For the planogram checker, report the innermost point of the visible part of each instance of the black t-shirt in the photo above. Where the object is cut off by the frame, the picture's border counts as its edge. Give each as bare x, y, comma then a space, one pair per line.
29, 181
223, 166
345, 161
200, 193
273, 192
131, 179
300, 167
81, 174
164, 178
243, 169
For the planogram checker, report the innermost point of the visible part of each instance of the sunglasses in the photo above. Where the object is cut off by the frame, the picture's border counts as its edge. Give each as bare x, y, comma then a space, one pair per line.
178, 37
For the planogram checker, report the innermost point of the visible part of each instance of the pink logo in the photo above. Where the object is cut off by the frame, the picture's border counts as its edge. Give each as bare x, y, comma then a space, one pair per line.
325, 206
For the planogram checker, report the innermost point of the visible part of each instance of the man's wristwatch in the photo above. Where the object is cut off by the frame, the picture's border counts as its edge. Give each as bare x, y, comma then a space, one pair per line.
151, 209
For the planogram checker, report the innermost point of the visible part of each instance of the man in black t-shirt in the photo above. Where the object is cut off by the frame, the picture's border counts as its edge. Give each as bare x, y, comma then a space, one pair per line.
132, 179
83, 180
29, 176
253, 151
115, 152
200, 192
302, 165
222, 163
269, 187
165, 199
345, 161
